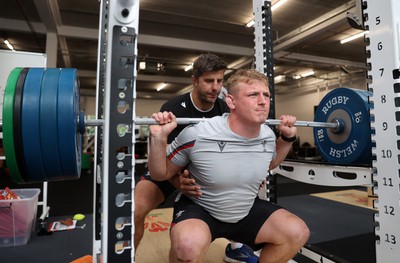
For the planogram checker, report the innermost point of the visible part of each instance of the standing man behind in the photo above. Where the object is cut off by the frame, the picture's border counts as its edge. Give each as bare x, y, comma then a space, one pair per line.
229, 157
201, 102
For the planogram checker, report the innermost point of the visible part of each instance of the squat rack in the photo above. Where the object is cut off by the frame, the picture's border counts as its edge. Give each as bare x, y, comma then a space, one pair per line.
113, 227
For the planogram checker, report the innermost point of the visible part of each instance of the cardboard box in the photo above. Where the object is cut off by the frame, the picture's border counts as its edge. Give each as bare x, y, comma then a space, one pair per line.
18, 217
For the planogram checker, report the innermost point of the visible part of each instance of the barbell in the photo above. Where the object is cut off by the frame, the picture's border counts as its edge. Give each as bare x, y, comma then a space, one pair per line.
335, 124
43, 126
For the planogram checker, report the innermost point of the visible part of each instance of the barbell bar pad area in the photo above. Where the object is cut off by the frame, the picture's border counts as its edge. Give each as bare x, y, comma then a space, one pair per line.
51, 122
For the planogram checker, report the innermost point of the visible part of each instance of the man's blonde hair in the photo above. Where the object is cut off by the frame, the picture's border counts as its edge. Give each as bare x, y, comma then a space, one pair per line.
245, 76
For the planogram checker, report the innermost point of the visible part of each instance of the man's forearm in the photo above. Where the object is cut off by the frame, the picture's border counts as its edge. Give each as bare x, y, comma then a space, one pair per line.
282, 149
157, 158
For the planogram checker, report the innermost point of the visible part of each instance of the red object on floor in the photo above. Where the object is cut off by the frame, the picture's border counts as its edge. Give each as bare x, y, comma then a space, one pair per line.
84, 259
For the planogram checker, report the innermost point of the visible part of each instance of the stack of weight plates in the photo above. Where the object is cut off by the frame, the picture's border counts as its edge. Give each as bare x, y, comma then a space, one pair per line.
40, 125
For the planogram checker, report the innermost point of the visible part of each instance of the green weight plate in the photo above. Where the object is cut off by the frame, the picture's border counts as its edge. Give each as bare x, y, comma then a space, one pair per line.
48, 125
18, 148
8, 130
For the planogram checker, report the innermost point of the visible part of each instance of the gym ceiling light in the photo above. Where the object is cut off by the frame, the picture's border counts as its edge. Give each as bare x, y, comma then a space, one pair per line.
351, 38
274, 7
8, 44
163, 85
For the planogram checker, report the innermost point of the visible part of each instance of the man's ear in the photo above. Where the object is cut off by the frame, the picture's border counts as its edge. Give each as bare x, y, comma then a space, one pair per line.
195, 81
230, 101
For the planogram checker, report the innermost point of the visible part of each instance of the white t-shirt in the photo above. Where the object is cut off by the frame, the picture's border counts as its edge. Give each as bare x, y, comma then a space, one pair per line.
228, 167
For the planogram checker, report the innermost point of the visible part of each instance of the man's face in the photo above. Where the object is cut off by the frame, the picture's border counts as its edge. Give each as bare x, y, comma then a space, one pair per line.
252, 101
208, 85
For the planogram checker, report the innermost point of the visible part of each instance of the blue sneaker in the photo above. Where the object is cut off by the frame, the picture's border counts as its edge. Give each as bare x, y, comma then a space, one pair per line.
240, 255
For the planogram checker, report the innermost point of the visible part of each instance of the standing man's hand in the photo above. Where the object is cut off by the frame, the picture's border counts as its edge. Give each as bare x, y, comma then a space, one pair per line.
188, 185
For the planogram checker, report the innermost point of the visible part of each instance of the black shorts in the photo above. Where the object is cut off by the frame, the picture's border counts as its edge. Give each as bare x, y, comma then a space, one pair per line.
244, 231
165, 186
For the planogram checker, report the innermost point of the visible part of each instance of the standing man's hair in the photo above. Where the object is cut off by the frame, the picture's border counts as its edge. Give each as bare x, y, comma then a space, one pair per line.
207, 62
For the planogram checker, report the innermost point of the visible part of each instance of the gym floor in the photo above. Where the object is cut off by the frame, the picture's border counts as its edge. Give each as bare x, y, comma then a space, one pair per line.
342, 232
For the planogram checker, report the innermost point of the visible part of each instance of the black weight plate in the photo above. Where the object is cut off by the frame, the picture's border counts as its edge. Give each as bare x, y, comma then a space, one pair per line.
19, 154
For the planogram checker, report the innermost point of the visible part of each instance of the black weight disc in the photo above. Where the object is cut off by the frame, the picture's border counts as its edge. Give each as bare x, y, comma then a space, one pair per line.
19, 153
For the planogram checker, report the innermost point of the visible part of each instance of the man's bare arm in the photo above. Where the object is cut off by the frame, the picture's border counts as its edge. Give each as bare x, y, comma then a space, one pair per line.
159, 166
282, 147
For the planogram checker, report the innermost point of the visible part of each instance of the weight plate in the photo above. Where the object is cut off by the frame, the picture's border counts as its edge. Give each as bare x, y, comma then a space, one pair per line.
18, 148
48, 124
353, 144
70, 143
30, 125
8, 130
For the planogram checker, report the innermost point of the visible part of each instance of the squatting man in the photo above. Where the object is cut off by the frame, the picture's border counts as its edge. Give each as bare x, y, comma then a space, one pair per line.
229, 157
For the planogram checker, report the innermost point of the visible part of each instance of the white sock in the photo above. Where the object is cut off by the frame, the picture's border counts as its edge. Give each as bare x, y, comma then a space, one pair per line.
235, 245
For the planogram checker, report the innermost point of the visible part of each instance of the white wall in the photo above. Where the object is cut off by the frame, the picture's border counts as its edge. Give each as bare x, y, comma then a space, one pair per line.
303, 108
11, 59
145, 108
